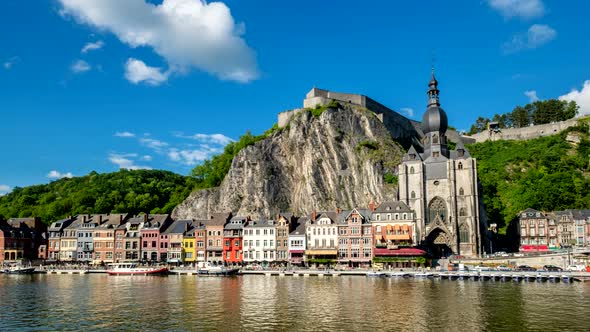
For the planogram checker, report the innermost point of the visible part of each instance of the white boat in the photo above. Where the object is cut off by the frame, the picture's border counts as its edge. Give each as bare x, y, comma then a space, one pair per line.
207, 269
135, 269
18, 269
376, 274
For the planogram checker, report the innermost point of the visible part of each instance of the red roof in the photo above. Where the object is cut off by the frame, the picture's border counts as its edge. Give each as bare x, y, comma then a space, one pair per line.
399, 252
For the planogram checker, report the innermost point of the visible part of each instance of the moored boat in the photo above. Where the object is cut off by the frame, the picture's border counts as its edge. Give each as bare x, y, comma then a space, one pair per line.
18, 269
376, 274
207, 269
135, 269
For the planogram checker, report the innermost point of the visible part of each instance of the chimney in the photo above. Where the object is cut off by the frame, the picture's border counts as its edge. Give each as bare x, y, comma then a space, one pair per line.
84, 218
145, 217
120, 219
100, 218
313, 215
372, 206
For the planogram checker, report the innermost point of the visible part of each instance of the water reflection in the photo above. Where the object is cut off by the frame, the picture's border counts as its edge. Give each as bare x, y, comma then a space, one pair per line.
100, 302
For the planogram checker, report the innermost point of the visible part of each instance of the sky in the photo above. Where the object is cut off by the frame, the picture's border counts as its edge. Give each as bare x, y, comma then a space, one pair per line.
99, 85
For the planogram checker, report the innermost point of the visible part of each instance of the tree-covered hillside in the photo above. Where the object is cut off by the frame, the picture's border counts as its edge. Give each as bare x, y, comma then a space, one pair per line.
547, 173
128, 191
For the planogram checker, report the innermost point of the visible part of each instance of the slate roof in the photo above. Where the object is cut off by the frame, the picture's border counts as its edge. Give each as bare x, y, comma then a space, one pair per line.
59, 225
178, 227
219, 219
392, 206
325, 214
260, 223
300, 228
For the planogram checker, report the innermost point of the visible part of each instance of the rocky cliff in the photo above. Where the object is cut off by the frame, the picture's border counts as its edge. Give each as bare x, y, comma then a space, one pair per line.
321, 160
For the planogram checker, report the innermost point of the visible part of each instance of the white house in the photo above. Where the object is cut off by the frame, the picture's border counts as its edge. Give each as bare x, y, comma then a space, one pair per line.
259, 241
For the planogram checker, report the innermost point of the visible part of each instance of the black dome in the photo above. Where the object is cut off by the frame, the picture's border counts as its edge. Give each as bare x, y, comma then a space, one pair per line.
434, 119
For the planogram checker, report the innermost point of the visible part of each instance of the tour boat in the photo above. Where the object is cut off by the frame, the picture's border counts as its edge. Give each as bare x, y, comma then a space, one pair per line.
376, 274
207, 269
135, 269
18, 269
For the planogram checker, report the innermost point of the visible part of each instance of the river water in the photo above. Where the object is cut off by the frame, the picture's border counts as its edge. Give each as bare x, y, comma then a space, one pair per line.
265, 303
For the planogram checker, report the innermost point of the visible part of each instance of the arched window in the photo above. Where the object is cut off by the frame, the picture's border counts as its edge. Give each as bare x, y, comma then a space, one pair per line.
435, 139
463, 233
437, 209
461, 192
413, 195
460, 166
462, 212
396, 216
378, 216
412, 170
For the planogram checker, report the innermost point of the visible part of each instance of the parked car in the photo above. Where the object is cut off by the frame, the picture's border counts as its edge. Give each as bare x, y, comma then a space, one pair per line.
576, 268
503, 268
552, 268
518, 254
526, 268
481, 268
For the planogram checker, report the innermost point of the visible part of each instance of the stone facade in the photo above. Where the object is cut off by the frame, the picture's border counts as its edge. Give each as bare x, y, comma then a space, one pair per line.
442, 187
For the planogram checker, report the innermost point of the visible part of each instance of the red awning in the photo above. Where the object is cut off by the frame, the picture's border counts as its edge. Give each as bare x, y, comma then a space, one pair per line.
297, 251
399, 252
535, 248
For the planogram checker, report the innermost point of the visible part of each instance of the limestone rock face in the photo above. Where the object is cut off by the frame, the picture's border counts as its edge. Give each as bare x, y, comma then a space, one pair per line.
335, 160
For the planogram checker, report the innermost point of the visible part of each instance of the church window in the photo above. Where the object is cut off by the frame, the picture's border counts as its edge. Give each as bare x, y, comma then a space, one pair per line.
463, 233
460, 166
435, 154
462, 212
412, 170
413, 195
396, 216
436, 183
461, 192
437, 209
435, 139
461, 152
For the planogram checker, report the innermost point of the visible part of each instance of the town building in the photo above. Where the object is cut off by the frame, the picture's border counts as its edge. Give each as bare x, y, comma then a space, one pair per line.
55, 231
232, 240
175, 235
85, 234
566, 226
131, 231
284, 225
214, 229
189, 244
441, 186
200, 240
260, 241
22, 238
150, 236
68, 248
104, 238
355, 237
297, 241
394, 225
322, 238
537, 231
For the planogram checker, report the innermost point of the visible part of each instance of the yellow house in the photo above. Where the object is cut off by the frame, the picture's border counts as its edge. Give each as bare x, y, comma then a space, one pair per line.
189, 247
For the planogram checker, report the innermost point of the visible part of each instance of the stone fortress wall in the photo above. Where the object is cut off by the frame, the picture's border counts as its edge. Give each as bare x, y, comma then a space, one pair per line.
526, 132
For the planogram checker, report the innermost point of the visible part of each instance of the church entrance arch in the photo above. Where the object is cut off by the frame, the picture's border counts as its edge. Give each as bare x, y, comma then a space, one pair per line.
439, 243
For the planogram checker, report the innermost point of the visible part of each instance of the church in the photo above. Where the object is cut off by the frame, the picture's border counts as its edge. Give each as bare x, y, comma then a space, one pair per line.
442, 187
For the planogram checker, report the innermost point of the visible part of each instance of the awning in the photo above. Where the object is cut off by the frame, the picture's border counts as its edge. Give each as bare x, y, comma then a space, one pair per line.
297, 251
535, 248
319, 252
399, 252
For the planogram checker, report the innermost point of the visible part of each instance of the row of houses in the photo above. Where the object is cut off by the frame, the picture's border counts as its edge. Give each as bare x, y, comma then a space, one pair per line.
356, 237
553, 230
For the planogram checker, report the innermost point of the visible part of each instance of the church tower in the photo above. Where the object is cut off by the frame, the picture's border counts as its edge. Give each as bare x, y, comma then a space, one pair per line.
441, 186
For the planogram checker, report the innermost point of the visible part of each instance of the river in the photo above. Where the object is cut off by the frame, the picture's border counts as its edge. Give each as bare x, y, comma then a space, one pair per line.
265, 303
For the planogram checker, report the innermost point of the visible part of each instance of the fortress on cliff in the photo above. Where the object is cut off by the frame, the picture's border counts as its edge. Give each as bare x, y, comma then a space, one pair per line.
405, 130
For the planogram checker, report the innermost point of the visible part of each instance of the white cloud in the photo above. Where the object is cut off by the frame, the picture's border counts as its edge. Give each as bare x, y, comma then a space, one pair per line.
136, 71
10, 62
532, 94
4, 189
92, 46
124, 134
58, 175
187, 33
408, 111
80, 66
208, 138
153, 143
518, 8
581, 97
125, 161
537, 35
146, 158
188, 157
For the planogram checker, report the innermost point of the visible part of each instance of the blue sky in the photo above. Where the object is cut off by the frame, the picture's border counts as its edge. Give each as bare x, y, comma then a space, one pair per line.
102, 84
